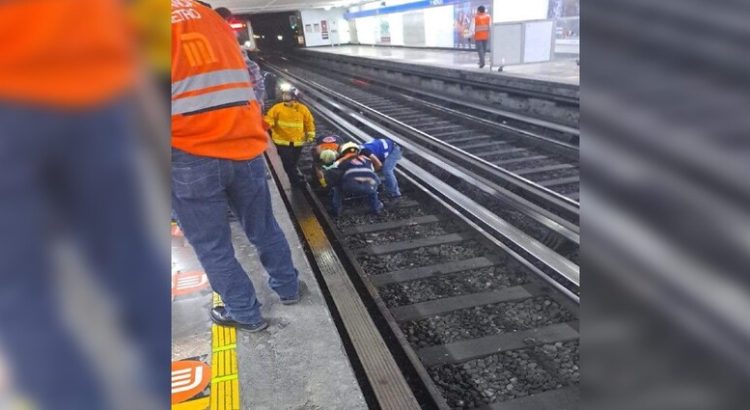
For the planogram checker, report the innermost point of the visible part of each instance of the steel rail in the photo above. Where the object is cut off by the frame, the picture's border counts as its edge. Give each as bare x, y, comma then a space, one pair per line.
500, 232
402, 91
571, 101
564, 220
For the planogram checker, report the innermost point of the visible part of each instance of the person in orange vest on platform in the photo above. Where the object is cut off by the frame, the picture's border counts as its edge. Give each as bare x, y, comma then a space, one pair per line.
218, 138
482, 23
292, 126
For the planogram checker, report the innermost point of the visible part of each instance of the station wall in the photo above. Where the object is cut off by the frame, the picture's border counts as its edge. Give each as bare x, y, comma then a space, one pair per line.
442, 23
325, 27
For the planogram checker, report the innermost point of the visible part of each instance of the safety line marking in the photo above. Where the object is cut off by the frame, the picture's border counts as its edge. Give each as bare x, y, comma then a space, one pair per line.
227, 347
224, 378
225, 389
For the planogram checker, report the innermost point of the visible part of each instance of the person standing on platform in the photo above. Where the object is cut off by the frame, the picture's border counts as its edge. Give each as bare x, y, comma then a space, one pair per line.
384, 155
482, 23
324, 154
292, 126
353, 173
218, 138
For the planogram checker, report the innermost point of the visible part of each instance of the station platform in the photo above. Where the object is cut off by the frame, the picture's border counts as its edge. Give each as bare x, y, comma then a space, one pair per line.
564, 71
299, 362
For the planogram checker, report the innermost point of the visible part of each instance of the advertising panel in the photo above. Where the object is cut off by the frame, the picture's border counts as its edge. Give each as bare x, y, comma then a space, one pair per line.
324, 29
384, 34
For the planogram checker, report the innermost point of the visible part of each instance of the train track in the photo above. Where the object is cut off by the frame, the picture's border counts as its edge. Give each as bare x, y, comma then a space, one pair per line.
519, 202
544, 100
480, 325
529, 152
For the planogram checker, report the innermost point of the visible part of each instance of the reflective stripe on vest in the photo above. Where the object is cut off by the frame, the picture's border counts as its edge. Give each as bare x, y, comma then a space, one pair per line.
360, 170
385, 148
482, 28
289, 124
212, 79
212, 99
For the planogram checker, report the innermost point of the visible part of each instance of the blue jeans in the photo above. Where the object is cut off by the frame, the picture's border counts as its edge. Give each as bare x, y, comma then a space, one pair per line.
202, 189
354, 187
389, 177
75, 169
481, 49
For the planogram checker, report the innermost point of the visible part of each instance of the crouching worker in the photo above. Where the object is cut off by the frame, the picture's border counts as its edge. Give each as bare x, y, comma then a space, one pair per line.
324, 153
353, 174
384, 155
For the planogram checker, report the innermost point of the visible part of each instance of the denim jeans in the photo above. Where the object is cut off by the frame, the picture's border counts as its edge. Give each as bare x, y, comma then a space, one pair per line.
481, 49
354, 187
76, 170
389, 177
202, 188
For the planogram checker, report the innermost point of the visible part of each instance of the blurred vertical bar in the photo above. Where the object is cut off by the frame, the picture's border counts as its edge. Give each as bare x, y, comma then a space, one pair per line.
84, 204
666, 215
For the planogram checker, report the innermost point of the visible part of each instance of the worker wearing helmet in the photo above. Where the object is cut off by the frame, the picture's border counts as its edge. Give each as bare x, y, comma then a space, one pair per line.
292, 126
353, 174
324, 153
384, 155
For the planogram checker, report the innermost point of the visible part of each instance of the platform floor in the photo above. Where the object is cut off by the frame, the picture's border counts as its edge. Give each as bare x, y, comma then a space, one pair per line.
299, 362
562, 70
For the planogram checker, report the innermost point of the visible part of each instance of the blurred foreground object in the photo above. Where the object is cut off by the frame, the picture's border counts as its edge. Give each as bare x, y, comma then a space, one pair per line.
666, 208
68, 181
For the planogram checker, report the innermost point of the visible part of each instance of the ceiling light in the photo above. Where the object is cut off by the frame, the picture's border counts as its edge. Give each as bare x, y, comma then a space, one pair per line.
280, 37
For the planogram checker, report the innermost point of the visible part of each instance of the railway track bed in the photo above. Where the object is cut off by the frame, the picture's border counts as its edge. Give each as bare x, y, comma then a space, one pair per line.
479, 326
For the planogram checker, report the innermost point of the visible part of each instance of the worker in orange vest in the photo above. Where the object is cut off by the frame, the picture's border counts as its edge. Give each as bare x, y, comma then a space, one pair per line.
68, 72
482, 23
218, 137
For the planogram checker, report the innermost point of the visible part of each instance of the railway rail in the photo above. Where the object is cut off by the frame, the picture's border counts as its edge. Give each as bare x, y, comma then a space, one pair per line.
479, 323
544, 215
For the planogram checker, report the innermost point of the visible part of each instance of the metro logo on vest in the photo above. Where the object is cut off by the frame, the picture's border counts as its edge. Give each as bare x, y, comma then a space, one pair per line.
214, 109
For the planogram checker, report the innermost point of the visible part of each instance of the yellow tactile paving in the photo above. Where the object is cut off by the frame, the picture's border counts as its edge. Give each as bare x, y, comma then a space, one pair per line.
225, 387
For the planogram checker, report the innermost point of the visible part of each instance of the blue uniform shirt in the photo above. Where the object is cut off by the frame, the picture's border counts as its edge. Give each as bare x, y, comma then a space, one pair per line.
380, 147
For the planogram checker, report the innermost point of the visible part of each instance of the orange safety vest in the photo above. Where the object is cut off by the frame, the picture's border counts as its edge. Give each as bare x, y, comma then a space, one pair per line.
482, 26
65, 53
214, 110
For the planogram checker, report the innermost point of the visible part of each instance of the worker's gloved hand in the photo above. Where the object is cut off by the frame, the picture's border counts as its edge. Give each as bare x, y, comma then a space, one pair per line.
366, 152
323, 182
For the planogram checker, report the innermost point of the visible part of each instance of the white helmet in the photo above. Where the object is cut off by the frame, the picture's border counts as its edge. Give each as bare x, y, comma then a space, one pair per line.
349, 146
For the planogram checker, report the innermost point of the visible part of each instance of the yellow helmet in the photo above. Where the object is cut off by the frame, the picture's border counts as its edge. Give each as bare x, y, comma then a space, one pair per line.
328, 156
349, 146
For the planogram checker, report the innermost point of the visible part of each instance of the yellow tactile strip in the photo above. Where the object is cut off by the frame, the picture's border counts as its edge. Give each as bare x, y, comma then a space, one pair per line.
225, 388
